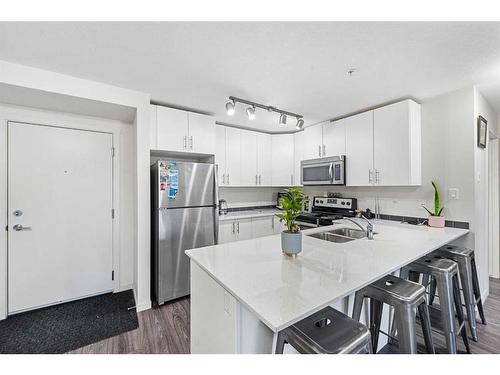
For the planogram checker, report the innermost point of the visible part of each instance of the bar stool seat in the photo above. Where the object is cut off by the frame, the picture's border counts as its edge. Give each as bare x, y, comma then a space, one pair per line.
326, 332
406, 297
445, 272
465, 259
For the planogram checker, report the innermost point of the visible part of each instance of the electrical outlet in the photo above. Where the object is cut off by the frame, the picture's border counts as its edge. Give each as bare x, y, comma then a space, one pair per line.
453, 194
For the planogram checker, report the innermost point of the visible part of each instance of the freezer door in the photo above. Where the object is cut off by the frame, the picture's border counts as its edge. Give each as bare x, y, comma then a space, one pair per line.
179, 230
196, 185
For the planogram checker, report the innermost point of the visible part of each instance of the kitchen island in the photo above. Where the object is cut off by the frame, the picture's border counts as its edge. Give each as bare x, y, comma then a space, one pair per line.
243, 293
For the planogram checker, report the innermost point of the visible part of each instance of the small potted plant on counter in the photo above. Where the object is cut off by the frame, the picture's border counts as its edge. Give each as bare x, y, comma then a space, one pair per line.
291, 204
435, 219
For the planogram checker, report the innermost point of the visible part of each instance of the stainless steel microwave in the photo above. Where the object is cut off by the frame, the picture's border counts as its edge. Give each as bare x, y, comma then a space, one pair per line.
324, 171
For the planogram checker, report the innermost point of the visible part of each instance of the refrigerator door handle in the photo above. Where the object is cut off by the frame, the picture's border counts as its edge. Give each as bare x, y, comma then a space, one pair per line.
216, 208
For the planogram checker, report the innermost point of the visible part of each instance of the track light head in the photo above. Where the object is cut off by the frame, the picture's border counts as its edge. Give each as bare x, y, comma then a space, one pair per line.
283, 119
230, 108
251, 113
300, 124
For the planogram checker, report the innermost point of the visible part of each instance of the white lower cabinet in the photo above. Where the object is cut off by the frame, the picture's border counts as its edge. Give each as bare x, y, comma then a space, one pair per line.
235, 230
262, 226
244, 229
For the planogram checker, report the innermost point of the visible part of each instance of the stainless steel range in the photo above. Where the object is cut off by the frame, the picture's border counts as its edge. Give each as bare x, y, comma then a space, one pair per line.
324, 210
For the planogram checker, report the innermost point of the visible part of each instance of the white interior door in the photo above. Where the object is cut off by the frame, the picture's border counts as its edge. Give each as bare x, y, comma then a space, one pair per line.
60, 192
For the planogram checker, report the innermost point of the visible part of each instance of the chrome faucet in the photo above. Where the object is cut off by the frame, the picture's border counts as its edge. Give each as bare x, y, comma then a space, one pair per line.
369, 226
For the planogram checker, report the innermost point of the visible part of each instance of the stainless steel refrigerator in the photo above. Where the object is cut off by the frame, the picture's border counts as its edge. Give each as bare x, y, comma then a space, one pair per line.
184, 216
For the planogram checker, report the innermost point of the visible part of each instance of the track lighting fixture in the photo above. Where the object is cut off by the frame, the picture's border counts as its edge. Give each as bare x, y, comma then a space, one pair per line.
283, 119
230, 107
300, 124
251, 113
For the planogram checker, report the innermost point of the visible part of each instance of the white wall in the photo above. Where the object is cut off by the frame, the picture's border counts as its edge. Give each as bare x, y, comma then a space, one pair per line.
38, 79
249, 196
481, 189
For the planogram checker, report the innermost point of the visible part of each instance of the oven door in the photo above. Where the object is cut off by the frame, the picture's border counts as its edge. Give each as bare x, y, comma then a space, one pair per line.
316, 172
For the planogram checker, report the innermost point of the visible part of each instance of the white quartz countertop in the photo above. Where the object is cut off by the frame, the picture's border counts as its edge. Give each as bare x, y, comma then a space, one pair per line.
248, 214
281, 290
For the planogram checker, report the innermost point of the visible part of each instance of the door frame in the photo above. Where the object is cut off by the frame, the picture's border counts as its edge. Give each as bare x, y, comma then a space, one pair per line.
61, 120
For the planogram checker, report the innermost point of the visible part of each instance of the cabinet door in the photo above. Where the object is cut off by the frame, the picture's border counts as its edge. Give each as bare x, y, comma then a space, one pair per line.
248, 151
262, 226
172, 129
201, 133
153, 128
282, 159
359, 149
264, 159
244, 229
233, 156
312, 142
391, 144
227, 231
298, 145
220, 153
334, 138
278, 226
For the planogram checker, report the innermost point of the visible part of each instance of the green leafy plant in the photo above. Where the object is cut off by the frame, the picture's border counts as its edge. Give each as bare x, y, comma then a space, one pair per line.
291, 203
438, 209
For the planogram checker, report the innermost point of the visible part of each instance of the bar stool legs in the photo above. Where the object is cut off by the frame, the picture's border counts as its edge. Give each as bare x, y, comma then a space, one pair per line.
477, 292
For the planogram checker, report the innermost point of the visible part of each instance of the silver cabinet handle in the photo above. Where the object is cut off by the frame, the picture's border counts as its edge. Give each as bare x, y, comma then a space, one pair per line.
256, 180
260, 182
319, 150
191, 142
291, 179
370, 176
238, 224
19, 228
228, 178
324, 150
223, 179
233, 227
377, 176
185, 142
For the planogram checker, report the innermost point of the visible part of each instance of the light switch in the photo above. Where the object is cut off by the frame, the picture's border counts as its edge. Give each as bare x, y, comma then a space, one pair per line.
453, 194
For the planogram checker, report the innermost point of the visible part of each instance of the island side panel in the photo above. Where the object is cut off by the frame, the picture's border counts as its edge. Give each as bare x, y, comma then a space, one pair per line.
214, 316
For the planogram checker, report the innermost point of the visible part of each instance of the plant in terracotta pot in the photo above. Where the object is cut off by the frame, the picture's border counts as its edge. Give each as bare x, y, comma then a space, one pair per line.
291, 204
435, 219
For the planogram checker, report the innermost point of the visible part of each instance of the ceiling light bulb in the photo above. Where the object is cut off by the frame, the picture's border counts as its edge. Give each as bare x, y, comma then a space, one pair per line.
283, 119
251, 113
230, 108
300, 124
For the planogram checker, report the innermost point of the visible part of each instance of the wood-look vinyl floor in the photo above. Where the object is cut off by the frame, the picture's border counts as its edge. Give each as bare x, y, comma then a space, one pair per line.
166, 330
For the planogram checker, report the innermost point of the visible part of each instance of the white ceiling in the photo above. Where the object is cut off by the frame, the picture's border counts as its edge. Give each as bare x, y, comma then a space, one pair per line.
299, 67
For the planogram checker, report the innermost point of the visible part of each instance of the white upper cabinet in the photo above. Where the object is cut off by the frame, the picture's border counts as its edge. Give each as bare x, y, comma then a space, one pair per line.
172, 125
220, 153
283, 158
298, 139
201, 133
264, 159
397, 144
248, 152
383, 146
334, 138
312, 142
359, 149
181, 131
233, 157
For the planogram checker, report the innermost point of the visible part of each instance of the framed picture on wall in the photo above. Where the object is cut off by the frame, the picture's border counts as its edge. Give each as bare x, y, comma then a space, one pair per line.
482, 131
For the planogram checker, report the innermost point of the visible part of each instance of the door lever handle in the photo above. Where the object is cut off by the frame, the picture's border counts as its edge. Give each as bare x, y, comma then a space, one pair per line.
19, 228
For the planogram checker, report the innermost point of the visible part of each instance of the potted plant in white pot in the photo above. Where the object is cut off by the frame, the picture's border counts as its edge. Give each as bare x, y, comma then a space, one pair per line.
435, 219
291, 204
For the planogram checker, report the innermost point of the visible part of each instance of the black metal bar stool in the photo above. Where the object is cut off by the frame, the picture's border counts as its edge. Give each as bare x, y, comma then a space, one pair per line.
445, 272
326, 332
467, 271
406, 297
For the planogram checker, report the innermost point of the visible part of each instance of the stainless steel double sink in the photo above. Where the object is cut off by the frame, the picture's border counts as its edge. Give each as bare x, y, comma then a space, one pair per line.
340, 235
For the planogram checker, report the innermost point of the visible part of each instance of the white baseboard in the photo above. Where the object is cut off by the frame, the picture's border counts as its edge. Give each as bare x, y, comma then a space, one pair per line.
143, 306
